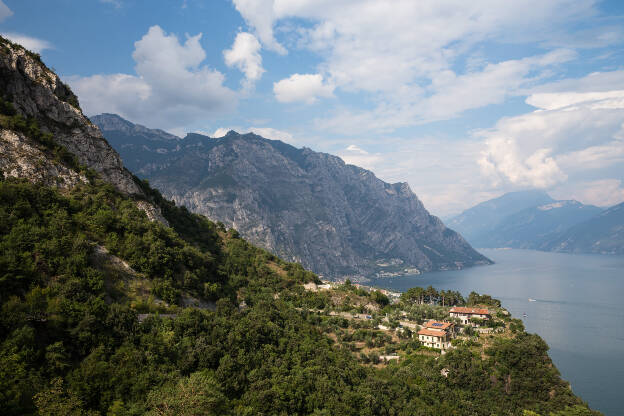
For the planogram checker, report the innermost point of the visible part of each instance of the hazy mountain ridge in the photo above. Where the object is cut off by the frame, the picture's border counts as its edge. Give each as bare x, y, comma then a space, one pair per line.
603, 233
477, 223
567, 226
334, 218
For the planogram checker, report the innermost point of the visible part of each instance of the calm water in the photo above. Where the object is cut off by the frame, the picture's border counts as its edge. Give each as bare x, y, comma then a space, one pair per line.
579, 311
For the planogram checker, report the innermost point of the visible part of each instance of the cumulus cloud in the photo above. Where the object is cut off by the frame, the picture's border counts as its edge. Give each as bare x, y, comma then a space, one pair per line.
221, 131
4, 11
260, 15
245, 55
30, 43
306, 88
171, 87
376, 46
572, 136
504, 159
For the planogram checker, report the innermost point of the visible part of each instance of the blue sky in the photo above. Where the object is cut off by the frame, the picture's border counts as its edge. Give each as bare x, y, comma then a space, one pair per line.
462, 100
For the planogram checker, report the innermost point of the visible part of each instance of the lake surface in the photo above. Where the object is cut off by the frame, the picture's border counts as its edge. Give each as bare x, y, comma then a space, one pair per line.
578, 310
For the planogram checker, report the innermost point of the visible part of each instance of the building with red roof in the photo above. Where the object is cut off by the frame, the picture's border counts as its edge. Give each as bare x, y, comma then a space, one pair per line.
464, 314
436, 334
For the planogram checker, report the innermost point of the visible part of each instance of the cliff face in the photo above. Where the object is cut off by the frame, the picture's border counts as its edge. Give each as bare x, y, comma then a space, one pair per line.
37, 94
334, 218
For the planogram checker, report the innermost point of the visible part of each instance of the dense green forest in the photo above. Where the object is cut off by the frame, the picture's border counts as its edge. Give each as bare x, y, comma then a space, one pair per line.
72, 343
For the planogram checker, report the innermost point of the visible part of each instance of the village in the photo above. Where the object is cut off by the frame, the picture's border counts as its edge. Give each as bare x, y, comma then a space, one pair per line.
382, 326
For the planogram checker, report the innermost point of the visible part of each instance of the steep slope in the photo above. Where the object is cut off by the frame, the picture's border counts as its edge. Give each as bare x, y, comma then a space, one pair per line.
310, 207
531, 227
37, 106
604, 234
476, 224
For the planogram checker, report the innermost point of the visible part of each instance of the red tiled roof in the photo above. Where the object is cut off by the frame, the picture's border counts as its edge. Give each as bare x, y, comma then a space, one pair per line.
470, 311
426, 331
437, 325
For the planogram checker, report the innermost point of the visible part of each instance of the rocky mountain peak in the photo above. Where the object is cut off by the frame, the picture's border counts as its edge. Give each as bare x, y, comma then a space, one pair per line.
113, 122
336, 219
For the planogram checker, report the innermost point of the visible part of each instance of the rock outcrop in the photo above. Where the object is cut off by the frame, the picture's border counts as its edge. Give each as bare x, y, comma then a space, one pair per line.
336, 219
36, 93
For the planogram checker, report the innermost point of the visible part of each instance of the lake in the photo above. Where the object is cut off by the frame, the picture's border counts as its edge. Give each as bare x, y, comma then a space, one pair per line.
578, 310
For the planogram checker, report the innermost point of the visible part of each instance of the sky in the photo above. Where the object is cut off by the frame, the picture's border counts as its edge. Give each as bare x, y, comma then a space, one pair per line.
464, 100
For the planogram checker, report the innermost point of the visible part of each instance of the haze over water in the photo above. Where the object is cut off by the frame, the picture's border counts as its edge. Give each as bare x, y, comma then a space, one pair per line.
578, 310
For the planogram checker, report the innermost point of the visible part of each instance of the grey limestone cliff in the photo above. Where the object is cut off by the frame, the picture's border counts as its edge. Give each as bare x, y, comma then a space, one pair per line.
334, 218
36, 93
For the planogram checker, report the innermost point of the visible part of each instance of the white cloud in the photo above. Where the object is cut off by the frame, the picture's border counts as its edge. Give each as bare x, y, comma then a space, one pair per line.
355, 155
504, 159
558, 100
273, 134
448, 95
4, 11
306, 88
356, 149
571, 137
414, 59
171, 89
28, 42
220, 132
375, 45
245, 55
260, 15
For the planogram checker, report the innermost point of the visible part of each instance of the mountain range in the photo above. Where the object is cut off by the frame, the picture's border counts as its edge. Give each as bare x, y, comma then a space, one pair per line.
334, 218
533, 220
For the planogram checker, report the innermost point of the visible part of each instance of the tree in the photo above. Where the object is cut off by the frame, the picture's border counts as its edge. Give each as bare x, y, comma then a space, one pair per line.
196, 395
56, 400
379, 298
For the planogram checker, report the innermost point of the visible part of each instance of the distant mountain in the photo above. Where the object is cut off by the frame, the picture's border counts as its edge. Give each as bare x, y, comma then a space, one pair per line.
604, 233
334, 218
477, 223
530, 227
507, 222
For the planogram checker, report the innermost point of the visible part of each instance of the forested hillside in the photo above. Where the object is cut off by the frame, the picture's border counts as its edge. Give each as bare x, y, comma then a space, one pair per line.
73, 341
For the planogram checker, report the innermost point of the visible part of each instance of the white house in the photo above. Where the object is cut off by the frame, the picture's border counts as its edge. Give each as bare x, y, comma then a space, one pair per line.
436, 334
464, 314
